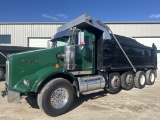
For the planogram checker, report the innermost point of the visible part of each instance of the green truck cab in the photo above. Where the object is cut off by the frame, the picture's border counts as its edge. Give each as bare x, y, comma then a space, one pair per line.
28, 70
83, 56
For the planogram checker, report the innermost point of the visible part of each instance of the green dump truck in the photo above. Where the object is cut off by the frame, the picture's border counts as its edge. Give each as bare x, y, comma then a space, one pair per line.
83, 56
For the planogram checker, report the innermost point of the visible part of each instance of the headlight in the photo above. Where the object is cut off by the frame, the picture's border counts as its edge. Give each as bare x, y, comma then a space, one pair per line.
26, 82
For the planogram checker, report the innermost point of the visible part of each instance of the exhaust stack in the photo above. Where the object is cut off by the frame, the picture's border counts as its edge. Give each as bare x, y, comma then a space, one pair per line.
69, 58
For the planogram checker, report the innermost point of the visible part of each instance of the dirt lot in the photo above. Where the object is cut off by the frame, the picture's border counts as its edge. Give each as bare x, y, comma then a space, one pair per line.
135, 104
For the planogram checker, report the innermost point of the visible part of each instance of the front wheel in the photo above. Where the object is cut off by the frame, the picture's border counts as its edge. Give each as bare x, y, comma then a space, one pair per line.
56, 97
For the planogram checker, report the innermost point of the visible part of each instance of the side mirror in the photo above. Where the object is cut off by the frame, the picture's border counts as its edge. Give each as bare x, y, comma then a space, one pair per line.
81, 42
81, 38
49, 44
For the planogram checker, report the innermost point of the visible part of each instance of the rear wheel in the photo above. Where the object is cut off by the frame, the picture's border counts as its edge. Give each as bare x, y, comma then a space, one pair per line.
1, 73
127, 80
150, 77
140, 79
56, 97
114, 83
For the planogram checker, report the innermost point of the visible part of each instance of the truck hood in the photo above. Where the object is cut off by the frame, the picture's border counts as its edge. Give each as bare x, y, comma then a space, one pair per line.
27, 63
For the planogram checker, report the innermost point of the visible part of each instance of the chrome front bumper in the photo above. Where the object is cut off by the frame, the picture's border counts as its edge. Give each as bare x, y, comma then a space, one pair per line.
12, 96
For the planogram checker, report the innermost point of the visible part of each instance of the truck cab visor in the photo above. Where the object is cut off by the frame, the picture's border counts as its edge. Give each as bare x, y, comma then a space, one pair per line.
65, 33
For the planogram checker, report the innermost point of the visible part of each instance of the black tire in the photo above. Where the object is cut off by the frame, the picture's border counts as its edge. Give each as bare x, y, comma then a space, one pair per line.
52, 92
1, 73
150, 77
127, 80
114, 83
140, 79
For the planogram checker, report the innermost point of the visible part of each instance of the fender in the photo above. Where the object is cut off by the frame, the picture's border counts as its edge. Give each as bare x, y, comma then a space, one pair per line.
45, 78
38, 79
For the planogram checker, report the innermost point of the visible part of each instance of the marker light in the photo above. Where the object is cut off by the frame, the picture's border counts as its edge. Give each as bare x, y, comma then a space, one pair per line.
82, 43
26, 82
57, 66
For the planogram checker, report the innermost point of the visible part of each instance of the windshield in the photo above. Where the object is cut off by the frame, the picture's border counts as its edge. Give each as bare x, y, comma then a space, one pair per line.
63, 41
60, 42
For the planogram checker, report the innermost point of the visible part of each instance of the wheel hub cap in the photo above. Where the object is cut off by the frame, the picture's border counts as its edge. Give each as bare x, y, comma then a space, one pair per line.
129, 79
142, 79
115, 81
152, 77
59, 98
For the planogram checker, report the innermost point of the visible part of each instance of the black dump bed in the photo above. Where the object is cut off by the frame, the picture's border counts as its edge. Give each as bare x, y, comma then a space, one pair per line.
141, 56
4, 50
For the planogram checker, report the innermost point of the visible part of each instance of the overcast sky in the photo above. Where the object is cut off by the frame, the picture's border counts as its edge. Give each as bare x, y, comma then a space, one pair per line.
66, 10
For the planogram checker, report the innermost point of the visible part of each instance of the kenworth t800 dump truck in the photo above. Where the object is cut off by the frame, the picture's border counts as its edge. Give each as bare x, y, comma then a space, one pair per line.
83, 57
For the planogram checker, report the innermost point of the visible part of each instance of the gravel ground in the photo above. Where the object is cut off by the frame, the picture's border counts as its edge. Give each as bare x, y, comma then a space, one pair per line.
135, 104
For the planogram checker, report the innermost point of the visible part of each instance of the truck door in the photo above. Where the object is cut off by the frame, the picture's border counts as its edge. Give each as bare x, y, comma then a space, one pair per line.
84, 54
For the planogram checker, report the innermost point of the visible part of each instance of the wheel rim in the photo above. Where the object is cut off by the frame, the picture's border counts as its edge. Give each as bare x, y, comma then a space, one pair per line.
115, 81
142, 80
129, 79
152, 77
59, 98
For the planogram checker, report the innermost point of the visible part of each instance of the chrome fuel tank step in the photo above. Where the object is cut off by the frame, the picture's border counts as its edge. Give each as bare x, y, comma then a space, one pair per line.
90, 83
